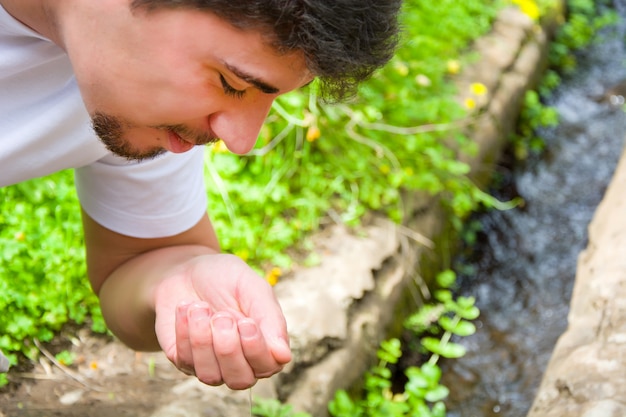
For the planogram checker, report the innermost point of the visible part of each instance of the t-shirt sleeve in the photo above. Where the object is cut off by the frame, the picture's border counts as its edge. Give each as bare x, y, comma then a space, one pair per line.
154, 198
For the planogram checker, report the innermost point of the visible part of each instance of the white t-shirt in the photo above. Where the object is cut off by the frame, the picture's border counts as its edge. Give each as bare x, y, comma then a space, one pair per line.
44, 128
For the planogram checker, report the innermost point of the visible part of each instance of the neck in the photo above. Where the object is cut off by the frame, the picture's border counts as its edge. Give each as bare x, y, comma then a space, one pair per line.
39, 15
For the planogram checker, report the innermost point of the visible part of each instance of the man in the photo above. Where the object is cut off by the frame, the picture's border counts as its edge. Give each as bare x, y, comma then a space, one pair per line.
154, 79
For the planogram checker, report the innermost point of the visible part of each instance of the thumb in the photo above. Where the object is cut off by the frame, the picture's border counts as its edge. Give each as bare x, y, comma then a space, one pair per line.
280, 350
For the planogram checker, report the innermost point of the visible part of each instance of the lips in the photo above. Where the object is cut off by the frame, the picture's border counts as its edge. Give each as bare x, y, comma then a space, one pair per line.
178, 144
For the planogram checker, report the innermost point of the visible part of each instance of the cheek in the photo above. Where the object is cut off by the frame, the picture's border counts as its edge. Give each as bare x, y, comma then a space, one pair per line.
179, 101
103, 95
108, 88
91, 96
151, 100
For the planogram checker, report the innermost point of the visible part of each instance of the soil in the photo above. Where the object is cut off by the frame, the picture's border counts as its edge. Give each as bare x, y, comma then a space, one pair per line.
106, 379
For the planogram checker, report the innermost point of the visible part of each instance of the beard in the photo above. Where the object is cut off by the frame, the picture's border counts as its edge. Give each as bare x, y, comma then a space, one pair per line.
112, 132
111, 129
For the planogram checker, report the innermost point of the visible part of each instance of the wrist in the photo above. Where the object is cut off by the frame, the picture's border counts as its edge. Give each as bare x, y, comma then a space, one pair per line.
132, 294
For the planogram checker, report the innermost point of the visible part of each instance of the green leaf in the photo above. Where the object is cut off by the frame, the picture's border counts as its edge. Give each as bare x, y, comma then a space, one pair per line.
439, 410
469, 313
453, 350
342, 405
432, 372
466, 302
457, 327
390, 350
446, 279
376, 382
443, 295
417, 379
381, 371
447, 350
438, 393
424, 318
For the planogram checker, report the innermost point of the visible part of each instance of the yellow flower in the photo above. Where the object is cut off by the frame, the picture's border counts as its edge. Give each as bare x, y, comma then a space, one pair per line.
423, 80
453, 66
384, 169
93, 365
470, 103
273, 275
20, 236
243, 254
399, 398
401, 68
313, 133
220, 147
529, 8
478, 89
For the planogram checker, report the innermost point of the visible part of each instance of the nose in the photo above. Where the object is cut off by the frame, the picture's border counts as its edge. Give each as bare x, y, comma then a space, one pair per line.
238, 126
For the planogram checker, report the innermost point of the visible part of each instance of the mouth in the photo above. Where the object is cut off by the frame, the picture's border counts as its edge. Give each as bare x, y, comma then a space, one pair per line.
177, 144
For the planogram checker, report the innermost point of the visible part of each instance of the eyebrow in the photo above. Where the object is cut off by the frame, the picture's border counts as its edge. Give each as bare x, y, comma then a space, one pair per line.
250, 79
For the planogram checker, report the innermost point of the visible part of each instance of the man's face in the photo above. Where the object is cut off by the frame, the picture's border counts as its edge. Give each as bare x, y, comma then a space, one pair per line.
174, 79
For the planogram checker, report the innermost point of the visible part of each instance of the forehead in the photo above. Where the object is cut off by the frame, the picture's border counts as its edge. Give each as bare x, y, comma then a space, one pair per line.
196, 26
202, 36
196, 19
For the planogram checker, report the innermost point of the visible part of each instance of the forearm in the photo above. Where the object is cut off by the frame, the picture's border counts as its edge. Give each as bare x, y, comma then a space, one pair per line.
127, 296
210, 313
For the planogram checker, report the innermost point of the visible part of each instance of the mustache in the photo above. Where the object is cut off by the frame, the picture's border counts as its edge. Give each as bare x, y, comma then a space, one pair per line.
191, 135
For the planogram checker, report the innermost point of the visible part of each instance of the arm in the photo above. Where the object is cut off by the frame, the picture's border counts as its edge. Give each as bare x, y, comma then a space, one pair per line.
209, 312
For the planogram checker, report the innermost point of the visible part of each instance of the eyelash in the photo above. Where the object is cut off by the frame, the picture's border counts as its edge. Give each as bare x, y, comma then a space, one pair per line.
229, 90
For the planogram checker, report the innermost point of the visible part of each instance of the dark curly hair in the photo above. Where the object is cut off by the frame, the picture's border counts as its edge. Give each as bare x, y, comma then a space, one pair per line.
343, 41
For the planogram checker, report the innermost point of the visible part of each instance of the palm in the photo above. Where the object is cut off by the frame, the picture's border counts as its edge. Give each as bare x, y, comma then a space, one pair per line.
193, 312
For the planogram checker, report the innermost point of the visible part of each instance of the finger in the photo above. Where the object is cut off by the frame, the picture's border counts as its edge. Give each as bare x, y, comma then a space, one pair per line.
184, 358
235, 370
273, 329
279, 346
256, 350
262, 306
205, 364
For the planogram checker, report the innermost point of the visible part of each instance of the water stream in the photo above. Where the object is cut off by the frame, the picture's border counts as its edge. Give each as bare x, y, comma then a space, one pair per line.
524, 265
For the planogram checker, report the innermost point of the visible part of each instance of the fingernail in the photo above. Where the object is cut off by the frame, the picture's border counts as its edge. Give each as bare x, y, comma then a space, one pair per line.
282, 343
183, 307
223, 323
247, 329
197, 312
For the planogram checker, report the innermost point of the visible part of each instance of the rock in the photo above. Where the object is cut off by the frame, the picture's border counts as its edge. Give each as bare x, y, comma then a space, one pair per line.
71, 397
4, 363
613, 96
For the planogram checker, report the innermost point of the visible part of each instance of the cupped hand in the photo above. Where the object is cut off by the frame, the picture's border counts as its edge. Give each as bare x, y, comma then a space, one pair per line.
217, 319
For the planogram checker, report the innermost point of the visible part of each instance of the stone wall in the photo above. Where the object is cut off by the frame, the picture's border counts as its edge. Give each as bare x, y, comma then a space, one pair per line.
586, 374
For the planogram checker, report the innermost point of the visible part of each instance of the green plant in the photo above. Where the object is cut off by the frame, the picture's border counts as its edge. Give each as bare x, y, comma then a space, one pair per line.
65, 357
534, 115
42, 271
274, 408
423, 394
585, 19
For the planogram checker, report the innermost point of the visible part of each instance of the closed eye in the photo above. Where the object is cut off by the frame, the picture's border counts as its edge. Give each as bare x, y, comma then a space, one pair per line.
229, 90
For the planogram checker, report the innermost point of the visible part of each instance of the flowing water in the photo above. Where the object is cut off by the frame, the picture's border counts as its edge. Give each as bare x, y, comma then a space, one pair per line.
524, 265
